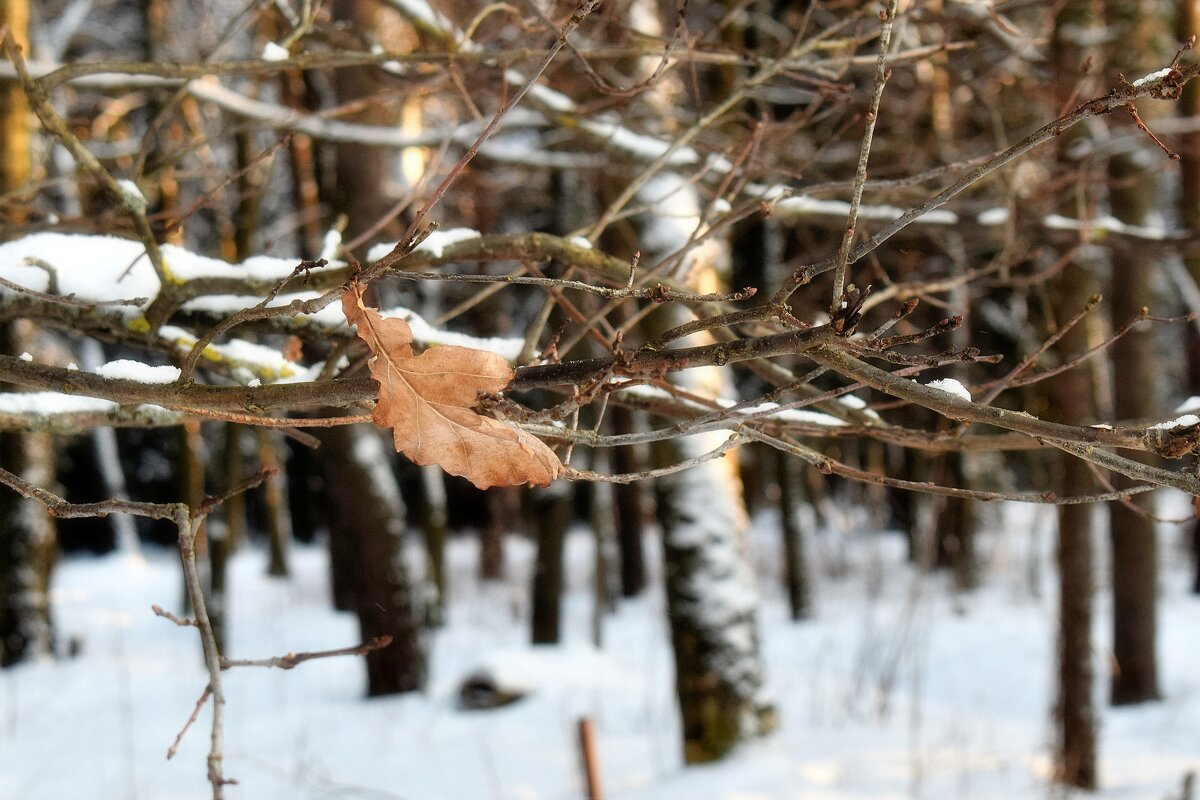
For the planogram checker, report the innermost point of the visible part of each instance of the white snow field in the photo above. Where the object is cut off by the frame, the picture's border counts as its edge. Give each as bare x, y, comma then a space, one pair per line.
897, 689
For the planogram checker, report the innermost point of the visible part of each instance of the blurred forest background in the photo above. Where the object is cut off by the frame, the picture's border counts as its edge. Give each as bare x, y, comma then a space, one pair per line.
583, 189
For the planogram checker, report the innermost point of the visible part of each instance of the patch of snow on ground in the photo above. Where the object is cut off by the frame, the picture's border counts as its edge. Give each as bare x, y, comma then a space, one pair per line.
898, 688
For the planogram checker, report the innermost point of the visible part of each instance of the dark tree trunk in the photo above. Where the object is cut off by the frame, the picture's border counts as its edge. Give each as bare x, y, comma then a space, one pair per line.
233, 510
954, 532
1073, 399
603, 516
366, 539
1188, 107
28, 540
1134, 537
551, 516
276, 512
433, 524
795, 559
1076, 674
630, 506
1137, 364
502, 507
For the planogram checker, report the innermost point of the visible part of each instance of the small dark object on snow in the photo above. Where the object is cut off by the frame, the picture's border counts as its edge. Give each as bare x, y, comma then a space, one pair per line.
480, 691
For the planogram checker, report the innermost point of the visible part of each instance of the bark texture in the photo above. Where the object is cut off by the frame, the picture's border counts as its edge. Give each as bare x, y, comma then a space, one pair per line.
551, 516
1073, 397
366, 538
1137, 367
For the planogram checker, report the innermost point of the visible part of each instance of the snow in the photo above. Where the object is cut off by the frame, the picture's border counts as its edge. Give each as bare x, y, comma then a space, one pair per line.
1153, 76
803, 205
993, 216
951, 386
1104, 224
641, 146
544, 95
48, 403
801, 415
26, 356
275, 52
267, 362
417, 10
1191, 404
899, 687
426, 334
105, 268
125, 369
1179, 422
330, 244
131, 195
435, 243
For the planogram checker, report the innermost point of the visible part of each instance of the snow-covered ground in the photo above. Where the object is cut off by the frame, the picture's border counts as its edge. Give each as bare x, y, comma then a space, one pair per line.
897, 689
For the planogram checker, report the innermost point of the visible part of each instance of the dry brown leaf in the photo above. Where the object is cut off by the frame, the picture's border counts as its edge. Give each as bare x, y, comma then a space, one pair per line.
427, 402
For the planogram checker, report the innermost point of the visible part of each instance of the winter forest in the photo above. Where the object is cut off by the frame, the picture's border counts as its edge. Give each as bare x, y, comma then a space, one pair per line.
640, 399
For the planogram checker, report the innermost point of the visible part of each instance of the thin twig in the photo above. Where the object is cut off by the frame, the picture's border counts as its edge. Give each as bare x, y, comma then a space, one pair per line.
293, 660
174, 748
887, 19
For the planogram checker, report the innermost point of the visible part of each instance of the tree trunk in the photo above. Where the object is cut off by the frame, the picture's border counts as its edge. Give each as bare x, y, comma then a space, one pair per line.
502, 509
718, 671
796, 576
367, 534
27, 550
551, 517
276, 512
1134, 537
233, 510
1073, 399
28, 539
433, 525
630, 499
711, 597
1135, 360
603, 515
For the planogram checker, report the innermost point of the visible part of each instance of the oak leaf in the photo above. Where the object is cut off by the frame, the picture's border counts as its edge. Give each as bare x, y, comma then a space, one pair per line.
427, 401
